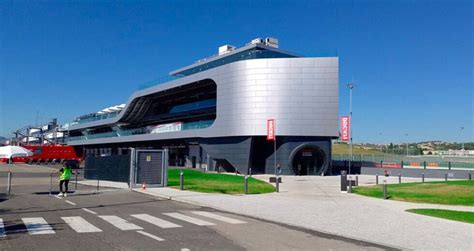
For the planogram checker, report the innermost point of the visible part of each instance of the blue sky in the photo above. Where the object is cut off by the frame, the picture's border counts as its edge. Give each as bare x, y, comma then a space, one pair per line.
411, 60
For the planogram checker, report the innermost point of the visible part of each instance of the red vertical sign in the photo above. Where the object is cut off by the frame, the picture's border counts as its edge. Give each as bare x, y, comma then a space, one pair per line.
271, 129
345, 128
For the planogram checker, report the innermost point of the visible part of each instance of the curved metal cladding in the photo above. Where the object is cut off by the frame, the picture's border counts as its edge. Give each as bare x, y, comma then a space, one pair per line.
301, 94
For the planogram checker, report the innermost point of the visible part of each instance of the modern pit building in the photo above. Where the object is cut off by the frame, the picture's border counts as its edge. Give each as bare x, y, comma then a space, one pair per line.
214, 113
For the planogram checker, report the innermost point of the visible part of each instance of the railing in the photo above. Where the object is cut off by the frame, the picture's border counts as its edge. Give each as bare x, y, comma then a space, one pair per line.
158, 81
412, 161
139, 131
97, 117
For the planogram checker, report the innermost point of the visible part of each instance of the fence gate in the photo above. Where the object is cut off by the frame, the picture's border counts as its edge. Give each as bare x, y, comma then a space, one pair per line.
149, 167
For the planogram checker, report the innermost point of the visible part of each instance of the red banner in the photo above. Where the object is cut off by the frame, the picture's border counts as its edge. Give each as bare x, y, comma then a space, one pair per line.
271, 129
345, 128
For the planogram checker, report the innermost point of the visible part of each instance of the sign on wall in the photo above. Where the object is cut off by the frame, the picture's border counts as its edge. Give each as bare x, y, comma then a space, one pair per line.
271, 129
345, 128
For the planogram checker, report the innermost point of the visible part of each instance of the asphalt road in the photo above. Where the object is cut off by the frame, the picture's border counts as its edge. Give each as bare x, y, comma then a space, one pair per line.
116, 219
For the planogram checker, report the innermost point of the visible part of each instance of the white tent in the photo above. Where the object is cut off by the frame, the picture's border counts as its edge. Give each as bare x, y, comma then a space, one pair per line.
14, 151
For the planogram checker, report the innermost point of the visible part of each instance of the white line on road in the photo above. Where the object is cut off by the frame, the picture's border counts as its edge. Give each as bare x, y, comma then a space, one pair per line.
37, 225
218, 217
89, 211
155, 221
80, 225
185, 249
2, 229
150, 235
189, 219
120, 223
70, 203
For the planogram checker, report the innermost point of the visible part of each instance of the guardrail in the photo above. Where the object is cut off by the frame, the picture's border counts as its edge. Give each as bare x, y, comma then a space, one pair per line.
399, 161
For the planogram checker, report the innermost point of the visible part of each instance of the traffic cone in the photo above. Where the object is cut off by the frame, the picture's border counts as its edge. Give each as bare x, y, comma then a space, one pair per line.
143, 186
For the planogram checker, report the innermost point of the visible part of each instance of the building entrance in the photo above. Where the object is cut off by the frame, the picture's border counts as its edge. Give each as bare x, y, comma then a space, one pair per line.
309, 160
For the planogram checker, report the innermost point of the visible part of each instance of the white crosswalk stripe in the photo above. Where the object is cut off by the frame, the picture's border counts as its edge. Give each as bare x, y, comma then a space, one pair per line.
120, 223
189, 219
80, 225
37, 225
150, 235
155, 221
2, 229
218, 217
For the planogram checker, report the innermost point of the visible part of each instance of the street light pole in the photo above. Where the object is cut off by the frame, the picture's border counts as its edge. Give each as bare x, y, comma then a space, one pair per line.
462, 141
351, 86
406, 134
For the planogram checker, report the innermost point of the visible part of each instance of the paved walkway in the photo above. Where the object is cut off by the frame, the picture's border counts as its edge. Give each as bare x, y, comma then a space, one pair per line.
316, 203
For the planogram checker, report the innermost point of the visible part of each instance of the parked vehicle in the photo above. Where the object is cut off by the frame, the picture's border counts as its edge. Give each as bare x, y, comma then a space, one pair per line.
49, 154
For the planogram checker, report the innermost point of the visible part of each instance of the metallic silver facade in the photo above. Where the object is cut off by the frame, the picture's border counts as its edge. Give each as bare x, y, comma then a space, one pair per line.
301, 94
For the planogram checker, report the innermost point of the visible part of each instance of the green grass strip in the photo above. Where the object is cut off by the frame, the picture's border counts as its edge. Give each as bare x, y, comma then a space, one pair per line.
459, 192
446, 214
216, 183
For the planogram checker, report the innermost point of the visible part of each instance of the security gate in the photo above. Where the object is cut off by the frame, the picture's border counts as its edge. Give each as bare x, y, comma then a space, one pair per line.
149, 167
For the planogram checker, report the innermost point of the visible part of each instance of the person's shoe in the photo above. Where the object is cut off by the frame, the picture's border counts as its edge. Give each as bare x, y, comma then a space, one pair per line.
65, 194
59, 195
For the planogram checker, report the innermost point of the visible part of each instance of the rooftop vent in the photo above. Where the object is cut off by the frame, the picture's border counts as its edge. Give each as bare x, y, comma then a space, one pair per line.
272, 42
257, 41
225, 49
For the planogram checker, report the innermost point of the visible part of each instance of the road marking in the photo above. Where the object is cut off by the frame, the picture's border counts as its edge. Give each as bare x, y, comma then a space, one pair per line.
189, 219
80, 225
150, 235
120, 223
37, 225
218, 217
185, 249
2, 229
89, 211
155, 221
70, 203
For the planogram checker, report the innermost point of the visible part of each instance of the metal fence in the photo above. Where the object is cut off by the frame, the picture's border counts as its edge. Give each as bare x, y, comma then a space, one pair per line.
410, 161
111, 168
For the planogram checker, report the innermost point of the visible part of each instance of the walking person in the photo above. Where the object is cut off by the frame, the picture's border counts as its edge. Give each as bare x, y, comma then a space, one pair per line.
65, 174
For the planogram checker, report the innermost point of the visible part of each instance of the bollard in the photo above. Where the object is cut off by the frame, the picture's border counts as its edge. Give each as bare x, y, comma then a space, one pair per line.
343, 181
446, 176
9, 184
401, 164
181, 180
424, 164
246, 184
399, 178
75, 186
277, 183
381, 164
449, 165
97, 183
385, 196
357, 181
469, 175
422, 177
50, 183
376, 179
350, 185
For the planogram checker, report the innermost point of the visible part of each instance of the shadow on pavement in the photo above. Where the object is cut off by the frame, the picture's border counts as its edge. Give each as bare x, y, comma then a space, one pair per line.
75, 208
15, 228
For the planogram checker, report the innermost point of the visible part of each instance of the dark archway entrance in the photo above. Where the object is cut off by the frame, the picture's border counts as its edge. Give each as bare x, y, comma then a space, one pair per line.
309, 160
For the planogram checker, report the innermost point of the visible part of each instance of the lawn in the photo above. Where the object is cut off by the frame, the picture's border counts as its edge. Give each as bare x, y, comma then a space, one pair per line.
216, 183
446, 214
357, 150
460, 192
